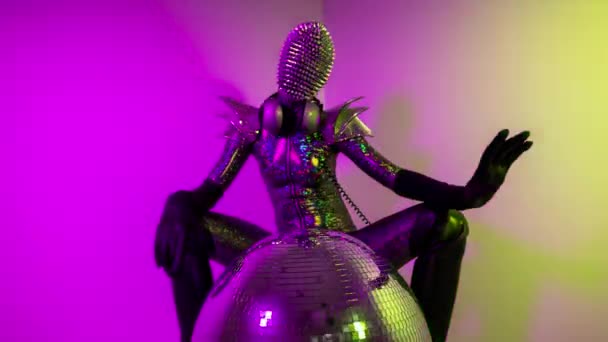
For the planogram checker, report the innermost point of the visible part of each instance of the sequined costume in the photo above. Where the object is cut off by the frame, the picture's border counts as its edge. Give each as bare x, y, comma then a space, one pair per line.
299, 169
296, 141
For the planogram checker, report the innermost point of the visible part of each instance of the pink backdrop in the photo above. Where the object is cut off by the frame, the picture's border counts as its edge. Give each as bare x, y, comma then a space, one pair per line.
109, 106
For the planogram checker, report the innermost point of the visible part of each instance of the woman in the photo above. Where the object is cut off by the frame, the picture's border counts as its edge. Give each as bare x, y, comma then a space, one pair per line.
296, 143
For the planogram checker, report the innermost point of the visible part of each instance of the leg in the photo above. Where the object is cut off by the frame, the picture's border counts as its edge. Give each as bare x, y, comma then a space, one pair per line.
437, 238
436, 275
220, 238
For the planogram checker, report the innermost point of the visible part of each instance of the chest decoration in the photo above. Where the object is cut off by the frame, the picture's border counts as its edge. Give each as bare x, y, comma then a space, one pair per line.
282, 121
243, 122
337, 124
344, 123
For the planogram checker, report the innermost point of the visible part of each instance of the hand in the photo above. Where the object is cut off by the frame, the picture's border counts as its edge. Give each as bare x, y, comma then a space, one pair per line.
180, 218
494, 164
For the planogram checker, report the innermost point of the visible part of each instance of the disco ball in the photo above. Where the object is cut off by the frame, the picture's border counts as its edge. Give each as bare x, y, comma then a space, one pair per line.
311, 286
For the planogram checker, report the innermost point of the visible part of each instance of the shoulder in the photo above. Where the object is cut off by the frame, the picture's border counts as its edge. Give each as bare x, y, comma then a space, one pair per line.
343, 122
243, 120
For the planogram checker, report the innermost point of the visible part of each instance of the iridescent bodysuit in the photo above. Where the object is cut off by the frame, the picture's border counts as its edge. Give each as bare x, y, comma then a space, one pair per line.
296, 143
299, 168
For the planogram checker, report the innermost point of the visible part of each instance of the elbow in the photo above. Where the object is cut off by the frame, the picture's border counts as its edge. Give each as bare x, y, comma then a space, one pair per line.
208, 194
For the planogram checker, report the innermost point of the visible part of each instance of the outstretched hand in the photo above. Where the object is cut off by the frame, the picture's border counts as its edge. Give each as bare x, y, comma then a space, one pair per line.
495, 161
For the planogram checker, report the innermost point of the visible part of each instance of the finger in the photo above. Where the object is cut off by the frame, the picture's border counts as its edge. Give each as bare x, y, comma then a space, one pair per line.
516, 153
178, 250
158, 253
162, 239
159, 246
168, 251
493, 147
512, 143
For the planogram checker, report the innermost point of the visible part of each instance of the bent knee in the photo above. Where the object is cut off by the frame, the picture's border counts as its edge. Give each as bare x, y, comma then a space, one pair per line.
455, 227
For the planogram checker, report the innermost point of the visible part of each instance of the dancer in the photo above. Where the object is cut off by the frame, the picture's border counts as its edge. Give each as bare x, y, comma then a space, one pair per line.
296, 142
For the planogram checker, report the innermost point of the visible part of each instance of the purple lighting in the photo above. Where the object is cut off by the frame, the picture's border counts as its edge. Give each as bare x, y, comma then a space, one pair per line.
265, 316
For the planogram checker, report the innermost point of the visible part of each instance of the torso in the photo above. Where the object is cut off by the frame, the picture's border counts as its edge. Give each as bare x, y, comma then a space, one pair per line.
297, 170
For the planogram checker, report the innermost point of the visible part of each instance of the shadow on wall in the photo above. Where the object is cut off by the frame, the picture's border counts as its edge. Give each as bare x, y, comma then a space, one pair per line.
250, 178
392, 138
218, 88
509, 289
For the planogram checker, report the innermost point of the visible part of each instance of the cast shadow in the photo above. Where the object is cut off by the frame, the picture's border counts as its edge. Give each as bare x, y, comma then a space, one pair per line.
503, 279
394, 123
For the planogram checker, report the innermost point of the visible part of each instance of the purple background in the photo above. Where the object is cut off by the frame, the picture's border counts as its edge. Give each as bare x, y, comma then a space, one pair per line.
109, 106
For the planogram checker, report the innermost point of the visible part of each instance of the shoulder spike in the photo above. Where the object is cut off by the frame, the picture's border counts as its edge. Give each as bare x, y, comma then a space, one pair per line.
242, 119
345, 123
352, 116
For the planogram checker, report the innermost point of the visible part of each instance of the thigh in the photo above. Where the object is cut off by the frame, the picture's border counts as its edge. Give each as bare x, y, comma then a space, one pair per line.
230, 236
399, 237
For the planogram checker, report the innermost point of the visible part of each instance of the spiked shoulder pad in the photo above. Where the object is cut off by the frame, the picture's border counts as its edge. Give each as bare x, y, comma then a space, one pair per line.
243, 120
344, 123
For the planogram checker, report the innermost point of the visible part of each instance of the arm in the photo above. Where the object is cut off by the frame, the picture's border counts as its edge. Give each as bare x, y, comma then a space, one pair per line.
184, 209
348, 134
495, 161
242, 132
235, 154
403, 182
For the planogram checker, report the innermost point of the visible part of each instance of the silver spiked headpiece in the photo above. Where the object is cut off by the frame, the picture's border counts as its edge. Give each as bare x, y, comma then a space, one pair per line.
306, 61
